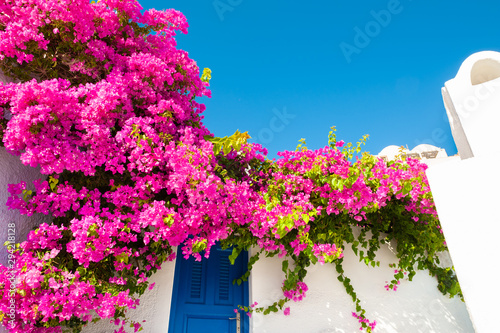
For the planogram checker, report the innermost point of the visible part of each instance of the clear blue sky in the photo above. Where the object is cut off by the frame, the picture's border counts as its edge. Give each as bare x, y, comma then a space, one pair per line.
285, 70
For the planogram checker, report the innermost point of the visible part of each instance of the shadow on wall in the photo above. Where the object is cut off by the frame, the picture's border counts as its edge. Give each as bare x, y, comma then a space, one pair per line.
435, 317
416, 307
15, 227
12, 172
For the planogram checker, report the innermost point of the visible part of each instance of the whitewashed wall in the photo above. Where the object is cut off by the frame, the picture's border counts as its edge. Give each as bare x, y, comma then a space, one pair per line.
466, 191
417, 306
466, 197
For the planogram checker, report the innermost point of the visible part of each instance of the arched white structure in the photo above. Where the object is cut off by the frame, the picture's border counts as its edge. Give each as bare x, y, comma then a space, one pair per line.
465, 191
471, 100
425, 152
390, 152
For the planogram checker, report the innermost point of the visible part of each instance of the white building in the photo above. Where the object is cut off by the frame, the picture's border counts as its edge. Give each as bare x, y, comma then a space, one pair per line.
428, 154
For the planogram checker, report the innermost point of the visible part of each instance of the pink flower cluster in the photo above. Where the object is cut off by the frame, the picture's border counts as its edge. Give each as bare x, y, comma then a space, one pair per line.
44, 294
327, 252
134, 121
364, 321
298, 293
132, 174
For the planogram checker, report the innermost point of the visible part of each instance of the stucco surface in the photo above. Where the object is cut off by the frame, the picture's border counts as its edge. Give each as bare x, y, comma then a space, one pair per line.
417, 306
466, 199
471, 100
465, 191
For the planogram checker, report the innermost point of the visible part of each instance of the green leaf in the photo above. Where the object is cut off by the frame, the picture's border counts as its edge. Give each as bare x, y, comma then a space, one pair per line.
407, 188
199, 245
53, 183
284, 266
206, 75
123, 257
232, 257
27, 195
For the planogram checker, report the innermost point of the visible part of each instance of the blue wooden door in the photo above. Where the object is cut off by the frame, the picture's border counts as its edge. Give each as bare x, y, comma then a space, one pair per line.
204, 296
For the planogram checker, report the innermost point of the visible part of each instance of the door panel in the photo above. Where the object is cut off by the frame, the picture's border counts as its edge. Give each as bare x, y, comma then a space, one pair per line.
200, 324
204, 296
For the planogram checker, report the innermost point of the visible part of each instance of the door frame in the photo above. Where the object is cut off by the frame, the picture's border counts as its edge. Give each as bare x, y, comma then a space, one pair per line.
245, 319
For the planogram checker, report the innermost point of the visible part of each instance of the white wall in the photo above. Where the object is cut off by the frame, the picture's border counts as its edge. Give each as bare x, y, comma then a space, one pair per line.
12, 172
427, 154
466, 191
417, 306
466, 197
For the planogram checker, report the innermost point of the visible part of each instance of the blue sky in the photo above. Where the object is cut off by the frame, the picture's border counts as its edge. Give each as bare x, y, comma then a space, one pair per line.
286, 70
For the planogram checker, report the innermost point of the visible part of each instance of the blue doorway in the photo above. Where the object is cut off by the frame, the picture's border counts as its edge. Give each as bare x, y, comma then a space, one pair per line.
204, 296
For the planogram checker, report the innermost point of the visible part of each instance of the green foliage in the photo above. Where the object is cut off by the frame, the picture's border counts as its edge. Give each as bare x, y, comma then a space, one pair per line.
228, 143
348, 149
206, 75
417, 244
3, 127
